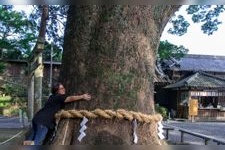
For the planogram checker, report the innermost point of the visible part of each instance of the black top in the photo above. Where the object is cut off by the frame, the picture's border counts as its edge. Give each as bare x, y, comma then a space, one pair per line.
46, 115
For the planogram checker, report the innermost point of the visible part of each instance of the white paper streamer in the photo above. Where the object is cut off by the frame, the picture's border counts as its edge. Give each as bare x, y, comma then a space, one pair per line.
81, 136
84, 121
134, 131
160, 131
82, 129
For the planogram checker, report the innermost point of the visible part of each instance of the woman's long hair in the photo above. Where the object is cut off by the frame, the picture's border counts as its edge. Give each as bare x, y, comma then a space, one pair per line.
55, 87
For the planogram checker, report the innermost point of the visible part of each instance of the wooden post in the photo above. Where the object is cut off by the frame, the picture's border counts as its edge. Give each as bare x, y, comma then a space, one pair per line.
38, 75
50, 77
30, 97
35, 80
189, 99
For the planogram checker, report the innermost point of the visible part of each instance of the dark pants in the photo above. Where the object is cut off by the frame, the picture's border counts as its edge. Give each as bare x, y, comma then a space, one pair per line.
38, 133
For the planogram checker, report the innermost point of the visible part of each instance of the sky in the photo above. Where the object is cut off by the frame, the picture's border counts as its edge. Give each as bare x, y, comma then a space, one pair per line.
196, 41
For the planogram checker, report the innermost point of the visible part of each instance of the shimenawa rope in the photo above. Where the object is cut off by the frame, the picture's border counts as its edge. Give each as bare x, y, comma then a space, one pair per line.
108, 114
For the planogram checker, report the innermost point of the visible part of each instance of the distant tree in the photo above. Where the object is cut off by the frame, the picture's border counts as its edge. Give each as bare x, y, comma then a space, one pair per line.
19, 30
57, 15
56, 22
167, 50
206, 15
17, 33
57, 52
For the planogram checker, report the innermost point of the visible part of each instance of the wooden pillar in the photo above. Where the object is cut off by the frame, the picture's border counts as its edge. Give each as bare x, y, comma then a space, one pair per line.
30, 97
189, 99
38, 75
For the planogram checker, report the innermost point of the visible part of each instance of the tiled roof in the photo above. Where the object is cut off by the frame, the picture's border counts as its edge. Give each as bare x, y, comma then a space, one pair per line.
208, 63
199, 80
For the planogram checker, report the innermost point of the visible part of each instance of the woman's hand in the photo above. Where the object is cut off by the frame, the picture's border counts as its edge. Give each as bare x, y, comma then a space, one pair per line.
87, 96
78, 97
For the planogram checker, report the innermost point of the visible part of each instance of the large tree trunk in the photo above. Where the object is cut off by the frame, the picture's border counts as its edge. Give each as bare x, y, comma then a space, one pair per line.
109, 52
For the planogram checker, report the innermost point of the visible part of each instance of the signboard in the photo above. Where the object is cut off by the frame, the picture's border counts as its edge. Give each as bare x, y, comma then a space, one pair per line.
193, 107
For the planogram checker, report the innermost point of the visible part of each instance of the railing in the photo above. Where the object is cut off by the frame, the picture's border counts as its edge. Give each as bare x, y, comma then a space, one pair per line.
204, 137
167, 131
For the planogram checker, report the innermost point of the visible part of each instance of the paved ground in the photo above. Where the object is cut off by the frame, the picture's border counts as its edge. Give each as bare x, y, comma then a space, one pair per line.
12, 130
214, 129
12, 122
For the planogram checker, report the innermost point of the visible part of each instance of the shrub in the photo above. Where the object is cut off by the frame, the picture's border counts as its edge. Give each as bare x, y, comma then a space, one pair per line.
162, 110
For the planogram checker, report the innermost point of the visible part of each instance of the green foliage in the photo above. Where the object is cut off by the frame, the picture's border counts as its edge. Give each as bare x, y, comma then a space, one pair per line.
17, 33
180, 25
167, 50
5, 98
11, 111
14, 100
16, 92
56, 22
5, 101
56, 53
207, 15
2, 67
27, 30
162, 110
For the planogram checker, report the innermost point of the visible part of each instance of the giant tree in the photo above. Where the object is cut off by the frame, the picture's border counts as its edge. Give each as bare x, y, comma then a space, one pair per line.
110, 52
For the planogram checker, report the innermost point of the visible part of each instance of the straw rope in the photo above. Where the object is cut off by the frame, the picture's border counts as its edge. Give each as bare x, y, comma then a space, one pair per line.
108, 114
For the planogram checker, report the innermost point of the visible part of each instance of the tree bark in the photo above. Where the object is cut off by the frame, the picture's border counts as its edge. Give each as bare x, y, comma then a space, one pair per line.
109, 52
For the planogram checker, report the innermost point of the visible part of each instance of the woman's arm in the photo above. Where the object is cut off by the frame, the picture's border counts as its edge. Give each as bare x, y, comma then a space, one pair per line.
77, 97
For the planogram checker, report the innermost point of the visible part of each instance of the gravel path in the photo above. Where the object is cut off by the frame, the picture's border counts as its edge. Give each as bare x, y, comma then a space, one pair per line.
213, 129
